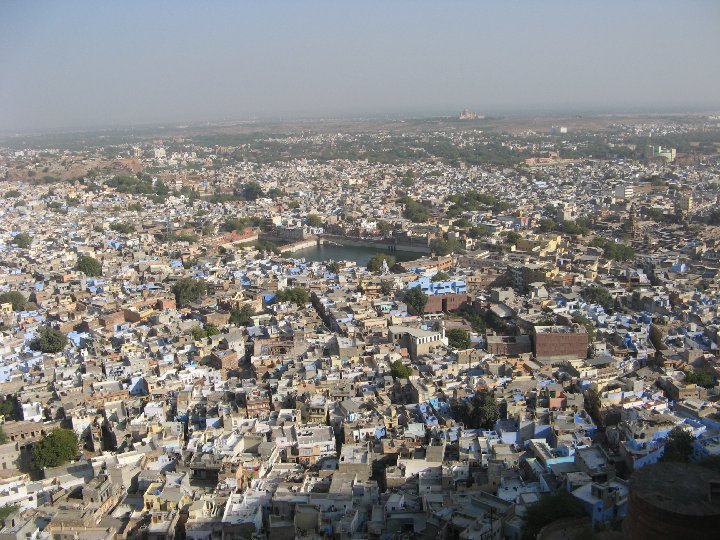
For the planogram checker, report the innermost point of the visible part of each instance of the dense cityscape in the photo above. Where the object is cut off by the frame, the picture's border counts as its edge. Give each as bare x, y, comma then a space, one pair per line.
467, 327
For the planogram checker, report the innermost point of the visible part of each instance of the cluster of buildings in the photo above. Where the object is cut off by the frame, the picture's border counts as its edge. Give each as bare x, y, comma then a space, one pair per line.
349, 409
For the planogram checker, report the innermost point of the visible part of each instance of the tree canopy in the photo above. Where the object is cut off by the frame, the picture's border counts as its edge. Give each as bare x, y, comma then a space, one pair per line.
123, 228
512, 238
313, 220
440, 276
588, 324
8, 409
15, 298
49, 340
386, 287
416, 299
459, 339
441, 246
615, 251
473, 201
188, 291
22, 240
480, 412
701, 378
140, 184
400, 370
200, 332
251, 191
678, 446
476, 320
89, 266
597, 294
243, 315
384, 228
375, 263
296, 295
239, 223
56, 448
414, 211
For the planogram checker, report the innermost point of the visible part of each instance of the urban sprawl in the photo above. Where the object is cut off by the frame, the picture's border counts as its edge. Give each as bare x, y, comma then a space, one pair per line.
531, 350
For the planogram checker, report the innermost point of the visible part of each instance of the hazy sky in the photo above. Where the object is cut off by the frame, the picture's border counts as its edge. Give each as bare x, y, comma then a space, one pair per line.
97, 63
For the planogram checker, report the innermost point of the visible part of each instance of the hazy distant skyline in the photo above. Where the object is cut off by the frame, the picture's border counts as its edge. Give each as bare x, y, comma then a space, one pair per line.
82, 64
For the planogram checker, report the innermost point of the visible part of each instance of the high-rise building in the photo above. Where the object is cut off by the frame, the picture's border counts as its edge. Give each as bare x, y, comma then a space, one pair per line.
655, 152
624, 191
686, 203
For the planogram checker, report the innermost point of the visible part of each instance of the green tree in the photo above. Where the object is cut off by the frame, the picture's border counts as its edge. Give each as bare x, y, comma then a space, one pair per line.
268, 245
574, 227
234, 224
512, 238
386, 287
6, 511
8, 409
414, 211
49, 340
597, 294
384, 228
475, 319
487, 409
547, 225
593, 405
480, 231
15, 298
678, 446
89, 266
296, 295
701, 378
123, 228
416, 299
56, 448
313, 220
480, 412
400, 370
198, 333
458, 339
441, 246
189, 238
3, 436
135, 207
242, 316
211, 330
375, 264
333, 267
440, 276
252, 191
619, 252
22, 240
188, 291
588, 324
615, 251
12, 194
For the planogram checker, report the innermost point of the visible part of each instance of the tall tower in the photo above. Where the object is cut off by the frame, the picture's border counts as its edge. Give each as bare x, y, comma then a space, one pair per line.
633, 225
683, 206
